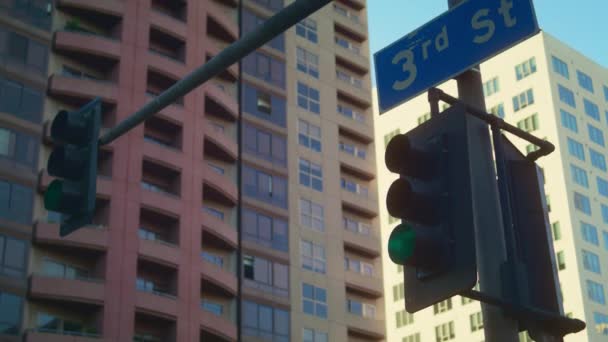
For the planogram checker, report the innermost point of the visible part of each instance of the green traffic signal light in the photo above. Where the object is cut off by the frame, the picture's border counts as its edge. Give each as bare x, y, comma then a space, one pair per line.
401, 244
52, 195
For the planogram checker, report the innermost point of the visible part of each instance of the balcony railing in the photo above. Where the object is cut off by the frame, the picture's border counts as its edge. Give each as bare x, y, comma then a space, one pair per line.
157, 189
79, 277
159, 142
348, 14
157, 292
358, 228
89, 333
29, 12
78, 29
165, 55
167, 14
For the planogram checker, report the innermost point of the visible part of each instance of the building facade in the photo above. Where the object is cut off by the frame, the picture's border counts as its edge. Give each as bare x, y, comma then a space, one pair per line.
554, 92
194, 222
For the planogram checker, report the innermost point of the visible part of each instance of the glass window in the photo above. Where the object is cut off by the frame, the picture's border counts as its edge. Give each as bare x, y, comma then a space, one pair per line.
525, 69
311, 335
265, 230
215, 308
605, 93
13, 256
264, 144
523, 100
308, 98
605, 235
584, 81
529, 124
388, 137
476, 321
354, 187
398, 292
412, 338
601, 323
11, 308
266, 276
265, 322
266, 68
582, 203
307, 62
309, 135
307, 29
498, 110
589, 233
597, 159
312, 215
445, 332
314, 300
20, 101
579, 176
561, 260
602, 186
560, 67
351, 113
264, 105
569, 121
491, 86
566, 96
423, 118
591, 109
556, 230
591, 262
595, 292
251, 21
403, 318
604, 209
442, 306
576, 149
313, 256
311, 174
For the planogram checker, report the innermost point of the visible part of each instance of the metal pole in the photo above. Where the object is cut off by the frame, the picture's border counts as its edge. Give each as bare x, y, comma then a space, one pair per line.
271, 28
489, 236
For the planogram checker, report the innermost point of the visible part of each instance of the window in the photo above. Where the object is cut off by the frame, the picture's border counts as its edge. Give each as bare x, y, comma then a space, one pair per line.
591, 262
16, 202
313, 256
423, 118
523, 100
356, 226
19, 147
445, 332
529, 124
251, 21
311, 335
214, 212
556, 230
307, 29
359, 308
498, 110
265, 322
268, 188
388, 137
308, 98
569, 121
531, 148
62, 270
311, 215
263, 105
602, 186
10, 315
604, 209
24, 52
351, 113
265, 230
566, 96
561, 260
403, 318
560, 67
579, 176
264, 144
358, 266
525, 69
265, 68
307, 62
266, 276
309, 135
347, 44
605, 235
597, 159
476, 320
584, 81
215, 308
353, 149
314, 300
349, 78
601, 323
589, 233
491, 87
212, 258
311, 174
412, 338
21, 101
576, 149
595, 292
398, 292
13, 257
581, 203
605, 93
591, 109
443, 306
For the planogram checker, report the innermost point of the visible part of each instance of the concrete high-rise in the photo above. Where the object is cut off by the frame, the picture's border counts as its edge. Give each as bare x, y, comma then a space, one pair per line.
164, 260
554, 92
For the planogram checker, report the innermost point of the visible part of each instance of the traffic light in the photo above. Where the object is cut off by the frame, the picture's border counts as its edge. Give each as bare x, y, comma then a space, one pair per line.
436, 239
74, 158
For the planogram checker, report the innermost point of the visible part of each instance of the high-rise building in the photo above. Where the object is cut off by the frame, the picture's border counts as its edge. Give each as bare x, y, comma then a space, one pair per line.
552, 91
164, 260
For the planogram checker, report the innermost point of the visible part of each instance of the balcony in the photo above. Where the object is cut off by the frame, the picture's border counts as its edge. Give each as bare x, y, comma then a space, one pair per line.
224, 234
220, 103
49, 336
87, 238
80, 89
157, 304
351, 60
356, 93
166, 64
86, 45
353, 29
218, 327
367, 328
368, 245
111, 8
369, 286
220, 278
168, 24
220, 24
364, 205
213, 49
219, 188
157, 151
159, 251
356, 4
90, 291
218, 144
359, 130
363, 168
104, 185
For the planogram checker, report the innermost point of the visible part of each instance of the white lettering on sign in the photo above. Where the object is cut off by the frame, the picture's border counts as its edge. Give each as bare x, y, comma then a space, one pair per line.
480, 22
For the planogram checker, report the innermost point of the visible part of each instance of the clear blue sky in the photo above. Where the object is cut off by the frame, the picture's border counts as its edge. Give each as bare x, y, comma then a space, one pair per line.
581, 24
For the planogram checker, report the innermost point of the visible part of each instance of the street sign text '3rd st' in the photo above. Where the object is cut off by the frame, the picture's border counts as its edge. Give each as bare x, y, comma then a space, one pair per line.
448, 45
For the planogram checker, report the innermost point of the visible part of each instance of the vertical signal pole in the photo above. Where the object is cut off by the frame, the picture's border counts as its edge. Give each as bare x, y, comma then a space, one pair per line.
490, 244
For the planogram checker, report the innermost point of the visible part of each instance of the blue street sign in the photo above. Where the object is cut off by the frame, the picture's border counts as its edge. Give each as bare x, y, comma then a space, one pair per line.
448, 45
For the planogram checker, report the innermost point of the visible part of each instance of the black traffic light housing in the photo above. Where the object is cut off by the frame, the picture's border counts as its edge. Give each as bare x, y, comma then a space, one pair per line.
74, 158
436, 239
